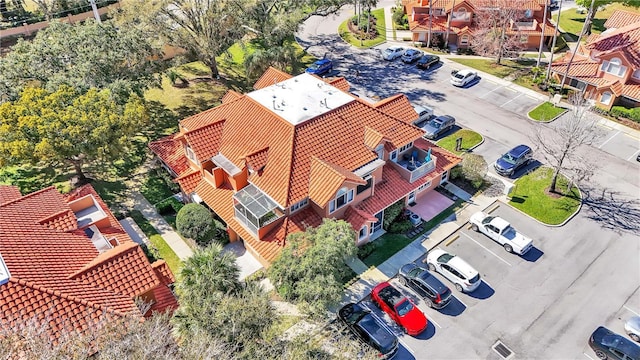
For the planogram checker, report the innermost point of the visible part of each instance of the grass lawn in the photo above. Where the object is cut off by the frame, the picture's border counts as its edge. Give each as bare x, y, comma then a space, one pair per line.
572, 22
389, 244
506, 68
164, 251
545, 112
347, 36
470, 139
155, 189
530, 197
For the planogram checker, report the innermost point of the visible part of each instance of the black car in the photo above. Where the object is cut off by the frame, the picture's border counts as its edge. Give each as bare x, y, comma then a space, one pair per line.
510, 162
436, 294
427, 61
609, 345
369, 330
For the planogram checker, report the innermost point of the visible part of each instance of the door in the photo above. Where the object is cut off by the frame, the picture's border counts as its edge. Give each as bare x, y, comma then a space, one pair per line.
378, 224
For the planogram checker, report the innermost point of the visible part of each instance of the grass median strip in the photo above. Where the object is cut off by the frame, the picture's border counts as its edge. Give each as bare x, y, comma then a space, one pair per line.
546, 112
164, 251
470, 139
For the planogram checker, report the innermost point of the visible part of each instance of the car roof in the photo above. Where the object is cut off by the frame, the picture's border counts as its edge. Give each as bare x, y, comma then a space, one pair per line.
462, 266
610, 339
499, 222
390, 294
444, 117
394, 48
322, 61
465, 71
519, 150
378, 332
412, 50
427, 278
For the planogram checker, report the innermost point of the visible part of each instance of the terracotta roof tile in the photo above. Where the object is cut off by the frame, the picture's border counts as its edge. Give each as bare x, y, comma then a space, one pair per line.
64, 220
583, 70
340, 83
373, 138
205, 140
164, 301
270, 77
9, 193
621, 18
230, 96
189, 181
357, 218
625, 39
258, 159
631, 91
326, 178
399, 107
298, 222
164, 273
171, 152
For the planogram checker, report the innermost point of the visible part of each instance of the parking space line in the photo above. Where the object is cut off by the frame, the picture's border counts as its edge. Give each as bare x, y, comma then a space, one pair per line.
497, 88
435, 323
514, 90
532, 98
460, 301
585, 354
625, 306
631, 136
517, 96
609, 139
634, 155
604, 126
491, 252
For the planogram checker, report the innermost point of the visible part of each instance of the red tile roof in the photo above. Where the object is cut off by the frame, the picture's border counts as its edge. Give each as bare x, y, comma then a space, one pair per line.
326, 178
258, 159
270, 77
230, 96
621, 18
340, 82
205, 140
171, 152
358, 218
164, 273
625, 39
57, 274
399, 107
631, 91
189, 181
373, 138
9, 193
165, 301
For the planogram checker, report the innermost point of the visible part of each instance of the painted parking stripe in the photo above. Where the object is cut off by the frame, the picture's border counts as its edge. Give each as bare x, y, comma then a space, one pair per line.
517, 96
533, 98
631, 136
633, 156
625, 306
497, 88
384, 323
435, 323
460, 301
491, 252
589, 357
609, 139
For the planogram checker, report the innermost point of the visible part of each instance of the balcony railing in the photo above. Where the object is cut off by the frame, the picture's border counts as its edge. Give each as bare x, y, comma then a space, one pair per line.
251, 222
525, 25
413, 164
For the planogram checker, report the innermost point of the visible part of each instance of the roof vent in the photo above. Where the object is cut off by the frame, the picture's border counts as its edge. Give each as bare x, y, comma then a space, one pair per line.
4, 272
502, 350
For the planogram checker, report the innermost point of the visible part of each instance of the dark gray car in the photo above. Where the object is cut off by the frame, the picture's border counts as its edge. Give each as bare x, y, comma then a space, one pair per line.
438, 126
435, 294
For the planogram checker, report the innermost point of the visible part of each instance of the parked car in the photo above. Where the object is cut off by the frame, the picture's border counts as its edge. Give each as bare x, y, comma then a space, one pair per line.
463, 77
427, 61
424, 112
434, 293
499, 230
609, 345
402, 310
453, 268
411, 55
369, 330
392, 52
320, 67
510, 162
632, 327
438, 126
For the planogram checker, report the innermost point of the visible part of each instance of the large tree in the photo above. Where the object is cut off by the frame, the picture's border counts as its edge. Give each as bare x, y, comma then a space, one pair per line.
560, 142
312, 268
66, 126
599, 3
83, 56
494, 35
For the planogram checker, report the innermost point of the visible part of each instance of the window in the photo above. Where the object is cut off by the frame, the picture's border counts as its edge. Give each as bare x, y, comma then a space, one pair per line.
406, 147
394, 155
605, 98
614, 67
361, 188
190, 154
424, 186
299, 205
343, 197
464, 40
380, 151
363, 233
636, 74
445, 177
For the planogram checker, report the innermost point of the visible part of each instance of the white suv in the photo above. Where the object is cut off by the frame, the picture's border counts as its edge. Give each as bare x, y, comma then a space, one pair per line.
456, 270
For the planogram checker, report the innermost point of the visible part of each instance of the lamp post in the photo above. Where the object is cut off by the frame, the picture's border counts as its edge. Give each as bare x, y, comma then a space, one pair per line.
584, 29
553, 44
544, 23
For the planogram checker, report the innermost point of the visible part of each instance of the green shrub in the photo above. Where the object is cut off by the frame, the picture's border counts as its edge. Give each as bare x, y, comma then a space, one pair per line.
621, 111
400, 226
366, 249
169, 206
391, 213
195, 221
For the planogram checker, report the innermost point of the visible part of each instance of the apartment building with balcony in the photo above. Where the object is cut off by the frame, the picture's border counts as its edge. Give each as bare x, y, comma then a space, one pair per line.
299, 149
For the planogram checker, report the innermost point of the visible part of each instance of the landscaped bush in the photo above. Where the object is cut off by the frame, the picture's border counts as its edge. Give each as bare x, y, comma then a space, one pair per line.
169, 206
402, 226
194, 221
400, 19
391, 213
366, 249
631, 114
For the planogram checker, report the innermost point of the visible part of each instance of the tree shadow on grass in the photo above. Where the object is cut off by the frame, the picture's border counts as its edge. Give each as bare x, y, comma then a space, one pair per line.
30, 178
612, 209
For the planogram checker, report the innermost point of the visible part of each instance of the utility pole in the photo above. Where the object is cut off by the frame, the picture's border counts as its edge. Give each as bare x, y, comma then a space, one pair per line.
553, 44
446, 40
544, 23
96, 14
584, 30
430, 20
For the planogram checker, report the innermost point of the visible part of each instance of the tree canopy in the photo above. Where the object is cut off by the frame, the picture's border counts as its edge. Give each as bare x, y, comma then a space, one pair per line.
311, 269
66, 126
597, 4
194, 221
491, 37
83, 56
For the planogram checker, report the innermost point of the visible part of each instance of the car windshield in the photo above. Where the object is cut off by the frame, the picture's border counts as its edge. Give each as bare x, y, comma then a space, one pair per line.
435, 123
509, 158
488, 219
390, 51
314, 66
444, 258
459, 76
404, 307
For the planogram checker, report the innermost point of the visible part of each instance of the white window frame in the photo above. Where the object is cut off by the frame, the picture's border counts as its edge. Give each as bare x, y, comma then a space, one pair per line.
190, 154
424, 186
606, 97
345, 193
636, 74
361, 235
444, 177
299, 205
614, 67
394, 156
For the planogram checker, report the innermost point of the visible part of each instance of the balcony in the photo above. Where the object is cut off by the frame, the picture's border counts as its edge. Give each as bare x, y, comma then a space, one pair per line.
525, 25
254, 209
414, 164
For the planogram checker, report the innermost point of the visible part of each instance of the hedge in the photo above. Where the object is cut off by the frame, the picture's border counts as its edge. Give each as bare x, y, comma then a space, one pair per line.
631, 114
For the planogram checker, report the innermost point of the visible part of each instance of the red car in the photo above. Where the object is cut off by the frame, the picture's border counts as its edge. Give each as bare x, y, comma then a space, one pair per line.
404, 312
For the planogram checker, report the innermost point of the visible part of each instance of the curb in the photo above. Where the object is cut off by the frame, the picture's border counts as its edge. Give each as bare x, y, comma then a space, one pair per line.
548, 121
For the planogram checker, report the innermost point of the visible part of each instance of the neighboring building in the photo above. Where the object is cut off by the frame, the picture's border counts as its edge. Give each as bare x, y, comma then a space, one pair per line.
66, 261
458, 15
299, 149
607, 66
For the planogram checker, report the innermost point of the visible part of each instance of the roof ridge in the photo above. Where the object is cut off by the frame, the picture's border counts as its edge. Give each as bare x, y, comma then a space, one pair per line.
618, 31
203, 127
30, 195
54, 215
104, 257
387, 100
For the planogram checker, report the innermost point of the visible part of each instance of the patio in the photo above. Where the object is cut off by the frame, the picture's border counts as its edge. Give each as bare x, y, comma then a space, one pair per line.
430, 205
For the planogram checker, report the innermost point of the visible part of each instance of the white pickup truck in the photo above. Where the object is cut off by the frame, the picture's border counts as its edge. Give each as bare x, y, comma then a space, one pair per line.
502, 232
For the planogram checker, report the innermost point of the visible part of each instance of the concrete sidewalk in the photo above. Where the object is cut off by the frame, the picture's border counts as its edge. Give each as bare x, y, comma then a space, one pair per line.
165, 230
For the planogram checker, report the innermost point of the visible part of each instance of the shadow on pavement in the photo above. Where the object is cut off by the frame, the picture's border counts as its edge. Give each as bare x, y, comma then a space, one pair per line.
533, 255
612, 210
454, 308
483, 291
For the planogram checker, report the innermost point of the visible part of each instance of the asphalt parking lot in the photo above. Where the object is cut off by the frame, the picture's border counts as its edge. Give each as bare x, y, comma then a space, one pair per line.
527, 302
618, 143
